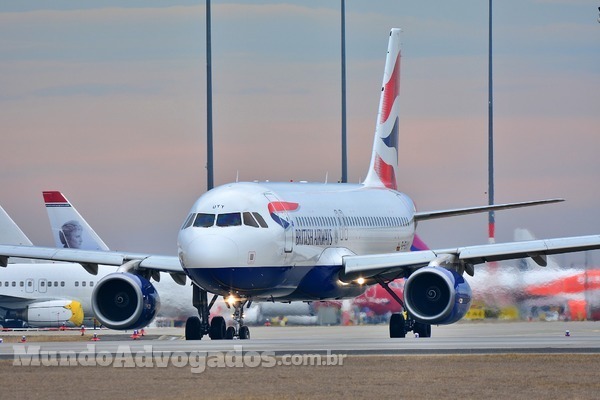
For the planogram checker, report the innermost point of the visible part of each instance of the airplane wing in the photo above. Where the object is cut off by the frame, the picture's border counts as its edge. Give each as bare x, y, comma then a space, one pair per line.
397, 265
7, 302
91, 258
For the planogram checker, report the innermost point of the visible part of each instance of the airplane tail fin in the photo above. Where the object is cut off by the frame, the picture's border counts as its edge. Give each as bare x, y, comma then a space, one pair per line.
10, 233
384, 159
69, 228
418, 244
523, 235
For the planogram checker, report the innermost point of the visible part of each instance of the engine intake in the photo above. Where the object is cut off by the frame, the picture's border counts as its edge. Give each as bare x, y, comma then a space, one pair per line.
122, 300
437, 296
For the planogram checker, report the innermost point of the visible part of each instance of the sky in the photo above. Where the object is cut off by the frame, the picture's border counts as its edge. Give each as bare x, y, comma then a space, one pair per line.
106, 101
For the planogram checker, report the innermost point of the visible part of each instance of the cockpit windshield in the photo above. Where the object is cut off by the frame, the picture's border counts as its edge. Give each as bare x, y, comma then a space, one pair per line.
204, 220
249, 220
229, 219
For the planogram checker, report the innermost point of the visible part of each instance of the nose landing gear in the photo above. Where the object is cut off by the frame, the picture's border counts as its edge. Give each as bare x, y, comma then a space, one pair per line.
239, 330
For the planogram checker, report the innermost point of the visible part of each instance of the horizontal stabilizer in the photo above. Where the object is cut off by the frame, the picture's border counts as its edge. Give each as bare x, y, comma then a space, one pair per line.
422, 216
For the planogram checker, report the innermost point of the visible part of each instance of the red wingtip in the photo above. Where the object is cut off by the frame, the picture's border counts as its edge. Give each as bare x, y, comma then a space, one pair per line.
54, 197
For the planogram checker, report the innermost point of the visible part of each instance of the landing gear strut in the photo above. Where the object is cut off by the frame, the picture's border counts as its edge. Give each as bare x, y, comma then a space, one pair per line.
239, 330
197, 327
399, 325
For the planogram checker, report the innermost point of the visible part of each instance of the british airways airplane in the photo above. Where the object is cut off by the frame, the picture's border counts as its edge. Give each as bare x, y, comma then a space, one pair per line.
283, 242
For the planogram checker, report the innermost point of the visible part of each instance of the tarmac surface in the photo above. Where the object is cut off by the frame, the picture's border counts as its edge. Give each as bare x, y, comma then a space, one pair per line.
462, 338
516, 360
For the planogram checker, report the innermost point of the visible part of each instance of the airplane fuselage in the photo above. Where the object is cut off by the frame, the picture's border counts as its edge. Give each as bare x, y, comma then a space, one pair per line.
286, 241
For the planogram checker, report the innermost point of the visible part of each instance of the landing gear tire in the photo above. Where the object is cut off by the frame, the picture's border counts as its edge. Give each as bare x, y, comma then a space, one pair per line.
423, 330
397, 326
230, 333
217, 328
192, 329
244, 332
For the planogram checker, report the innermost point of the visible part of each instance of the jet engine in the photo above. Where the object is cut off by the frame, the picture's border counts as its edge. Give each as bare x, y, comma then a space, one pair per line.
123, 300
437, 296
51, 313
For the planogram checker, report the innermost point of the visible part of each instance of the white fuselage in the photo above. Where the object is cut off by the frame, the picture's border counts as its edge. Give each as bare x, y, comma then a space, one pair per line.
46, 281
298, 254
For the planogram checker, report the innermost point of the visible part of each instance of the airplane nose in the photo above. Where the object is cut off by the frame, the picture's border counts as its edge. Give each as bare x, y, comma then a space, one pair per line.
210, 251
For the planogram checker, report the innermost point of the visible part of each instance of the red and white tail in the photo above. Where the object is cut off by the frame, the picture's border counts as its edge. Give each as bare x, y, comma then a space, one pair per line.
384, 160
69, 228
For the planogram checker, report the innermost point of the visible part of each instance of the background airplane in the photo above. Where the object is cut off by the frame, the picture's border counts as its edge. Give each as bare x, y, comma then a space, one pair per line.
321, 242
523, 289
39, 294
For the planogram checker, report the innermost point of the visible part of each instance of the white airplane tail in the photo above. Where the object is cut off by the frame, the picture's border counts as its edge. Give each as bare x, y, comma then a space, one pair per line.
69, 229
523, 235
10, 233
384, 159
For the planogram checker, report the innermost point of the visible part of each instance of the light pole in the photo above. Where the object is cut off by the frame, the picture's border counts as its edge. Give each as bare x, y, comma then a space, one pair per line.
209, 136
491, 215
344, 150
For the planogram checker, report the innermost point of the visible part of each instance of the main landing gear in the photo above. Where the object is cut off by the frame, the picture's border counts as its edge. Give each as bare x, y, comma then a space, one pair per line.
401, 325
197, 327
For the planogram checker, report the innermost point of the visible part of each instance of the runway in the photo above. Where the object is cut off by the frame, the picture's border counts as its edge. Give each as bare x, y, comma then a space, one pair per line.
462, 338
466, 360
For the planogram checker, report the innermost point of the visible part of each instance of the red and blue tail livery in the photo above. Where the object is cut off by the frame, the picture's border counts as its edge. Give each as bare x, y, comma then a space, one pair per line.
384, 159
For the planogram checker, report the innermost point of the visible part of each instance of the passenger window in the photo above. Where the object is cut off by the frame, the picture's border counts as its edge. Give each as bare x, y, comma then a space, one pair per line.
55, 284
76, 284
91, 283
21, 283
229, 219
204, 220
42, 283
83, 283
62, 283
260, 219
188, 221
249, 220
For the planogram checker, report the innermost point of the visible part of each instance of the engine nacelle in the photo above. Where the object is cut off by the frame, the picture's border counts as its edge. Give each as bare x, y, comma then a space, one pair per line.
52, 313
122, 300
437, 296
